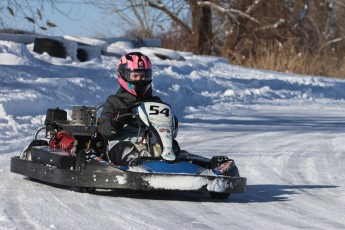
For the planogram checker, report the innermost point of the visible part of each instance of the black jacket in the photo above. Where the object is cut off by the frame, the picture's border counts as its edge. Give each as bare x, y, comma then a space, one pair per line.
119, 103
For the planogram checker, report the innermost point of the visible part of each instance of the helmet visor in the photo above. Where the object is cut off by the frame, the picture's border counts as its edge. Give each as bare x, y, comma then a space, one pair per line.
133, 76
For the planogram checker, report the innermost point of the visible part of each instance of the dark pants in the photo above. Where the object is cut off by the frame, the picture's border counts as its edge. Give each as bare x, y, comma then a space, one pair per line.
125, 153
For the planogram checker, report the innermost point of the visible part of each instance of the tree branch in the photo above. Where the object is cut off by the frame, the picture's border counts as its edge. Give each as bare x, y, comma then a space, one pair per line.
223, 11
252, 7
331, 42
272, 26
173, 16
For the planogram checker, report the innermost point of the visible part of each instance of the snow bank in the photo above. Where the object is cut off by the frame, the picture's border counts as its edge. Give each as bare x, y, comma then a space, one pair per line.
197, 82
12, 53
18, 38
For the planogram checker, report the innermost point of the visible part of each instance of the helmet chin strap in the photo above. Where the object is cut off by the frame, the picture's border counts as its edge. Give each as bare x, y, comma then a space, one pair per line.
141, 87
141, 91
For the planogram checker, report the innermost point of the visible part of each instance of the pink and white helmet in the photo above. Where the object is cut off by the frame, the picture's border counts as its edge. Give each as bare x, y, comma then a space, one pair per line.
134, 62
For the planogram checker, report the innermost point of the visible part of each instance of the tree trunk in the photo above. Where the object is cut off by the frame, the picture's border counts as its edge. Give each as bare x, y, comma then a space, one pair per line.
201, 27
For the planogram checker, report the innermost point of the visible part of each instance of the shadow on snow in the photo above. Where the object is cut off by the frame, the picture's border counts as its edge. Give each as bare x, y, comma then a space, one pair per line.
272, 123
261, 193
275, 193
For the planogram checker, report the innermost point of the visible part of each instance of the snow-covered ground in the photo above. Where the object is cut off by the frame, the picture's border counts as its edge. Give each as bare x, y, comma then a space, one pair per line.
285, 132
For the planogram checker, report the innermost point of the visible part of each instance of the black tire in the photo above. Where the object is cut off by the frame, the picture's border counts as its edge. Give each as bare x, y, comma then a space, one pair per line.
80, 161
219, 195
163, 57
86, 190
82, 55
53, 47
80, 164
26, 154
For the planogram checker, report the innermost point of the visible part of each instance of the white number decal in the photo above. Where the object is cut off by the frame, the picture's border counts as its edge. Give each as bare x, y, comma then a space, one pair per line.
154, 110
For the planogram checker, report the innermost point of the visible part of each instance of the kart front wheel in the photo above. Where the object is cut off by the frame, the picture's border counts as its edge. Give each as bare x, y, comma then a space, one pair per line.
219, 195
86, 190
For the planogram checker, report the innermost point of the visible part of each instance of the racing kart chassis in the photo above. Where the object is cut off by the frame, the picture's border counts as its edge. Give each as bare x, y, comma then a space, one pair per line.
87, 171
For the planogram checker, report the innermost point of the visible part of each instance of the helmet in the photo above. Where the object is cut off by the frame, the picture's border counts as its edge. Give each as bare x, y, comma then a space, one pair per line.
134, 62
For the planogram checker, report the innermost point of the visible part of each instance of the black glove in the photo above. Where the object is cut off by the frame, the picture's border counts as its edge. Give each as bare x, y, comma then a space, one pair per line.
120, 118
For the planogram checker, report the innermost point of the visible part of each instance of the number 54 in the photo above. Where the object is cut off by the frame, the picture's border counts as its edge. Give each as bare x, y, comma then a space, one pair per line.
154, 110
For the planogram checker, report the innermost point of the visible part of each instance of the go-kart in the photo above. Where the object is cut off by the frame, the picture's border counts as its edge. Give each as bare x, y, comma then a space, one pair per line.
73, 153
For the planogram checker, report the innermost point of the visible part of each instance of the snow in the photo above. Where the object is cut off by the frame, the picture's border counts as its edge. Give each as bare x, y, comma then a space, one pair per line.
284, 131
218, 185
176, 183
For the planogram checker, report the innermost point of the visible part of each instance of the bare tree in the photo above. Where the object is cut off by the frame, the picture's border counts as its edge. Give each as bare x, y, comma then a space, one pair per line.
23, 11
246, 24
200, 28
147, 17
130, 17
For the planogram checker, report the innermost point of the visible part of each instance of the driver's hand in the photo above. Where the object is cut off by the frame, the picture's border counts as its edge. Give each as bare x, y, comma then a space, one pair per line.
120, 118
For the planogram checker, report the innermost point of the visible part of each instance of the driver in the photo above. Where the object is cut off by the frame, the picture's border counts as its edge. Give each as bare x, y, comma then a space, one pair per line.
117, 129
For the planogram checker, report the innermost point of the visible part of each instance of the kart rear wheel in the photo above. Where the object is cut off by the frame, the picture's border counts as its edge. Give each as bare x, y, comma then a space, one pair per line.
86, 190
80, 165
219, 195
